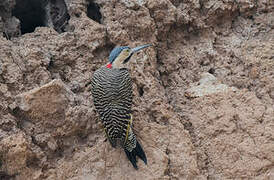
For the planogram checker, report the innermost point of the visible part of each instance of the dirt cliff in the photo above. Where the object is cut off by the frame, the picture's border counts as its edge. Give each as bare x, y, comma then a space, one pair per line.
203, 94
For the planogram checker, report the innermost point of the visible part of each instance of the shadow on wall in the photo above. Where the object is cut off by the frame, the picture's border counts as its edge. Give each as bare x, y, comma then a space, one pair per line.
38, 13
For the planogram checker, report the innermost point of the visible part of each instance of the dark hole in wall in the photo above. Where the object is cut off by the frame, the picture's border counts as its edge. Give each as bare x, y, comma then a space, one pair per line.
211, 70
59, 15
93, 12
31, 14
141, 91
38, 13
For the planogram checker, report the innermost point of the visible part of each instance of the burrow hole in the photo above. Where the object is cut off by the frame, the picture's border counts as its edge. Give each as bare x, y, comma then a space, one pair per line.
39, 13
93, 12
30, 13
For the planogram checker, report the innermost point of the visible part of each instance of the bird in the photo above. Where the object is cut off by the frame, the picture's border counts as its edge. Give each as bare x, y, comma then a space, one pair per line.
111, 89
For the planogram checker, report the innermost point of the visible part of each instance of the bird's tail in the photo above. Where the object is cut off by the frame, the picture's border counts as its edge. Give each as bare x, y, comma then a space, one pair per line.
137, 151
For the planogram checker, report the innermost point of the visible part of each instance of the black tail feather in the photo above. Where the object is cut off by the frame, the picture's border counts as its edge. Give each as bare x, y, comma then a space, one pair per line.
137, 151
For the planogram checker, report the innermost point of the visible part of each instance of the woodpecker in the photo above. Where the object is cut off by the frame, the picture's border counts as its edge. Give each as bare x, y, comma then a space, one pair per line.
112, 97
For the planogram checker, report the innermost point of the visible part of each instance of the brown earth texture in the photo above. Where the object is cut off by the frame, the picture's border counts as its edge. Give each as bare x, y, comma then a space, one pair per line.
203, 93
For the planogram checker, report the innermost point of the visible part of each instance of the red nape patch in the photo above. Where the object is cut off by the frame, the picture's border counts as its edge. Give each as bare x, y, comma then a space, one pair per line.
109, 66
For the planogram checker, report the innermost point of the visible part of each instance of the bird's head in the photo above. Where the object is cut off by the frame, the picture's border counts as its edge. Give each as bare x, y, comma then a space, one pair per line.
121, 55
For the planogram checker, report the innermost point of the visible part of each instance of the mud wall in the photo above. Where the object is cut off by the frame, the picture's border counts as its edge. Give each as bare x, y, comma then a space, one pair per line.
203, 94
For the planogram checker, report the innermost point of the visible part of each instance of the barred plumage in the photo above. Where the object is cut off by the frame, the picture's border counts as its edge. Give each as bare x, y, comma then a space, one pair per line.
112, 93
112, 96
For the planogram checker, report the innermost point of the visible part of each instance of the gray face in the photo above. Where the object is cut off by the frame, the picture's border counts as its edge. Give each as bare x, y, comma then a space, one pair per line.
115, 53
124, 53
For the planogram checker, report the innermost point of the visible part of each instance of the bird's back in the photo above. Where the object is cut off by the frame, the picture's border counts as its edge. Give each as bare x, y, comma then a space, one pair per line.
112, 96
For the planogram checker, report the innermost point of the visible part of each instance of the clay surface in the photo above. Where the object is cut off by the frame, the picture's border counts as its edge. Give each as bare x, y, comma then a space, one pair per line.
203, 94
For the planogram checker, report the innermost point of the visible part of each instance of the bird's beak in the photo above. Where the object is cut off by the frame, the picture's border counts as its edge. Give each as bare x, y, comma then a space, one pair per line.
138, 48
